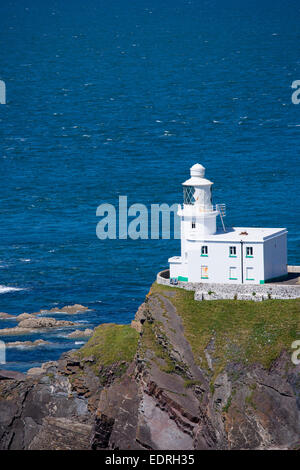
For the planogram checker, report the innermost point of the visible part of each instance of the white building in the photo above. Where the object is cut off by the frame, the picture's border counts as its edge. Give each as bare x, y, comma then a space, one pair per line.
239, 255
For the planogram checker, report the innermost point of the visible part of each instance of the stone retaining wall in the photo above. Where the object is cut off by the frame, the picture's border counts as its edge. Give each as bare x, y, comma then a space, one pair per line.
294, 269
256, 292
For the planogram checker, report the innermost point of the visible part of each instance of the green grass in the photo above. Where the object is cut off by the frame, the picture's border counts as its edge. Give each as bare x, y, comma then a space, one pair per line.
191, 383
149, 342
111, 344
227, 406
251, 332
249, 400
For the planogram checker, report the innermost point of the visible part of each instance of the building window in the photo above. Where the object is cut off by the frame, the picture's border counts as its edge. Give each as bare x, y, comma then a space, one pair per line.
233, 273
193, 224
188, 195
232, 251
204, 251
249, 274
249, 251
204, 272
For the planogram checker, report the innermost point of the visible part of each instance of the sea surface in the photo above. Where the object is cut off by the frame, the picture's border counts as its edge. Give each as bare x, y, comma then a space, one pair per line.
121, 98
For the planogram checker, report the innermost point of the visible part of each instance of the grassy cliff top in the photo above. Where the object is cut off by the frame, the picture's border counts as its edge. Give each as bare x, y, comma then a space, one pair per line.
111, 344
229, 330
236, 330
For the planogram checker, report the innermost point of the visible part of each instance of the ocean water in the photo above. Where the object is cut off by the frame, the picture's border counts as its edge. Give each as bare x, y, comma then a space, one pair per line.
121, 98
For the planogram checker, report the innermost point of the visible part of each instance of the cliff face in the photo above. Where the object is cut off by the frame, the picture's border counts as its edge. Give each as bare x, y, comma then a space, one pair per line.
156, 387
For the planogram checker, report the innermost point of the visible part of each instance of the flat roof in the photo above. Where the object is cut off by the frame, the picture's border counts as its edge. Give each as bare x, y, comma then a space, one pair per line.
245, 234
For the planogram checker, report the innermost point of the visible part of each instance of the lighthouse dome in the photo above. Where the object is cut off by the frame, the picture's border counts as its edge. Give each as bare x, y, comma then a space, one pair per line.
197, 170
197, 177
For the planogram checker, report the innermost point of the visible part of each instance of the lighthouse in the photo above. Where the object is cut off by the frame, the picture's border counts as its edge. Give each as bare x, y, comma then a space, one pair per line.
212, 253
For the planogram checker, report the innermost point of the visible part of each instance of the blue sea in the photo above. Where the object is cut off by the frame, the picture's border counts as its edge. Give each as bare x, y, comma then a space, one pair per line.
122, 98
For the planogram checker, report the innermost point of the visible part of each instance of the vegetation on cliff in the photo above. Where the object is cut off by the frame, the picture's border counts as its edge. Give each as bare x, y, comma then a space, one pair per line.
238, 331
110, 345
188, 375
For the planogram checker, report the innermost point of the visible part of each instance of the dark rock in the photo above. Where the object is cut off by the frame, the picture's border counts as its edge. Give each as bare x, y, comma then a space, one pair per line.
88, 359
163, 399
11, 375
34, 322
70, 309
6, 316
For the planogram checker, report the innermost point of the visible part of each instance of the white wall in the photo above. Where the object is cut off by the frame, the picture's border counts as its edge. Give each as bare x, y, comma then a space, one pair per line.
178, 269
269, 261
275, 257
205, 224
219, 262
257, 262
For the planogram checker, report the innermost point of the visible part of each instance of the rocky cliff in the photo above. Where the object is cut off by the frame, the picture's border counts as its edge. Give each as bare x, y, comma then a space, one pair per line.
184, 375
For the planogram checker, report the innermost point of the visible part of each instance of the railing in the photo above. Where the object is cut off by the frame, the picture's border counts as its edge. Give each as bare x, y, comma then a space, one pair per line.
220, 208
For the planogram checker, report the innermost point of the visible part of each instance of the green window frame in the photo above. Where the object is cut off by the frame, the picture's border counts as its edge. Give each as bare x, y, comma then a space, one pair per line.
204, 272
204, 250
232, 252
249, 268
231, 269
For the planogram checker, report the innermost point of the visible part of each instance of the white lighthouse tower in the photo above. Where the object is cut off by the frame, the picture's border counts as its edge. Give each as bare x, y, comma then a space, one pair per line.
212, 255
197, 204
198, 216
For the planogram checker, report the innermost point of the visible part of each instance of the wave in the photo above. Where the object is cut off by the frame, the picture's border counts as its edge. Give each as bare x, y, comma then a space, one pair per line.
6, 289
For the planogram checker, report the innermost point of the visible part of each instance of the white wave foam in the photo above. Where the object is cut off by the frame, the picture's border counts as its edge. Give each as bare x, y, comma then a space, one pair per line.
6, 289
